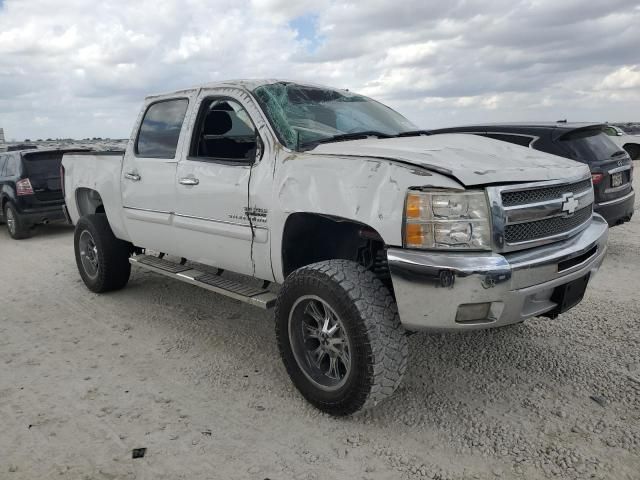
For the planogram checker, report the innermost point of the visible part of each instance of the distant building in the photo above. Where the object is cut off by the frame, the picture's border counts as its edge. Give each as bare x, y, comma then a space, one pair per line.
3, 145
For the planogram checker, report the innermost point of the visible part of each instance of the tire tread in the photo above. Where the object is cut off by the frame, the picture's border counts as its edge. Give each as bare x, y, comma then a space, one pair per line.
376, 308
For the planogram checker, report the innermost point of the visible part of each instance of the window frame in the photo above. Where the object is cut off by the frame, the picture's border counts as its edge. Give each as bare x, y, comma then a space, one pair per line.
146, 111
195, 134
532, 138
3, 161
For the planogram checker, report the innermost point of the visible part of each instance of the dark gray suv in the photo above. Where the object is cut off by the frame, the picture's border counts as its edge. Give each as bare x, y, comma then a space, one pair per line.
30, 189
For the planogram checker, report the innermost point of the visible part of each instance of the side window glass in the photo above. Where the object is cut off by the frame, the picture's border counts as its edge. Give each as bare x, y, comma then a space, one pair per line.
11, 168
522, 140
160, 129
611, 131
224, 132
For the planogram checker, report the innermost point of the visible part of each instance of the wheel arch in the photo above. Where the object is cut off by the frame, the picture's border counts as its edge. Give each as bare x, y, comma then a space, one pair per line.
311, 237
88, 201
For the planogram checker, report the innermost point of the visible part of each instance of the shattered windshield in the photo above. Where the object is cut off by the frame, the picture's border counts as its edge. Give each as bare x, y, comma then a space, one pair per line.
303, 116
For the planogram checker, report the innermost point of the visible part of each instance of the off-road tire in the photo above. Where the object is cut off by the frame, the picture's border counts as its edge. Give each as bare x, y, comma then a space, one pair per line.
20, 229
113, 267
370, 317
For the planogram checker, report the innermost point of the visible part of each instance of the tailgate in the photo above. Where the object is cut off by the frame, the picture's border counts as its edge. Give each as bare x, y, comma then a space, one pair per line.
43, 171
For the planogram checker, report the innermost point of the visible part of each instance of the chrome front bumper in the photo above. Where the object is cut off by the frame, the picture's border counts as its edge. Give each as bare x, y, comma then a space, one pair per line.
431, 286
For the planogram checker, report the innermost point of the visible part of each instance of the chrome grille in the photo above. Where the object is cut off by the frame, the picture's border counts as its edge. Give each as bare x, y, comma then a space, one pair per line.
510, 199
533, 214
523, 232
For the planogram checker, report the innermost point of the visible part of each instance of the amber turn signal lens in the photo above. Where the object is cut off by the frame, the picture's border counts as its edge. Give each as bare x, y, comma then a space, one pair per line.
413, 206
414, 234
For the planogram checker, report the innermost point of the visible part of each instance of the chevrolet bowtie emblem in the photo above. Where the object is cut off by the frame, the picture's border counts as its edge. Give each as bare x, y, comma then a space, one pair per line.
569, 203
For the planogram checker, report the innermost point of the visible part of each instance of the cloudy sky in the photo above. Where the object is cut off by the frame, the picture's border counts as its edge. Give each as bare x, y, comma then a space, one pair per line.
78, 68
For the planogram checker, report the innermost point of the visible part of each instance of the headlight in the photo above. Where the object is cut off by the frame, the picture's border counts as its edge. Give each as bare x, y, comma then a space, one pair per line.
447, 220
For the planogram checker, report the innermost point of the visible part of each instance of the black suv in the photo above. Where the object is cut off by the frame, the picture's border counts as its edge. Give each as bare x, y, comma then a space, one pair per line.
611, 167
30, 189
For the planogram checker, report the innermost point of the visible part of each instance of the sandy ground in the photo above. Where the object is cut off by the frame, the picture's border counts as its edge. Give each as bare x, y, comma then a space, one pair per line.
196, 379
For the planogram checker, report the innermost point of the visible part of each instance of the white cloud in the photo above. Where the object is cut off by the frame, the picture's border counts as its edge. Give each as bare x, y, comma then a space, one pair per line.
85, 66
623, 78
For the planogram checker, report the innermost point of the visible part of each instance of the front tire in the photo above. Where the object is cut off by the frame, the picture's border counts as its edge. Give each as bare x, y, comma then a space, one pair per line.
102, 259
16, 226
340, 336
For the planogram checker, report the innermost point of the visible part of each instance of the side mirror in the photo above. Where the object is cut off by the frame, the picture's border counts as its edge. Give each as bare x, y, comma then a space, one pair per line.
619, 134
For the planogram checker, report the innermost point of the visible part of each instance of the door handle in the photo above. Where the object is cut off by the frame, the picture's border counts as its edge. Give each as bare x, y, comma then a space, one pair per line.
189, 181
134, 177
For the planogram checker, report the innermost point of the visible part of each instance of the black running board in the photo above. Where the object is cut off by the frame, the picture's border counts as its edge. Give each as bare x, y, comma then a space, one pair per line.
258, 297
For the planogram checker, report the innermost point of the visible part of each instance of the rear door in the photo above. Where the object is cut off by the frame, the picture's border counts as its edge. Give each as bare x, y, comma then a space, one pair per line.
149, 172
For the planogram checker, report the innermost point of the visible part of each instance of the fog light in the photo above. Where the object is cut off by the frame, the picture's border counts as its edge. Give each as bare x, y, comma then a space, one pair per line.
473, 312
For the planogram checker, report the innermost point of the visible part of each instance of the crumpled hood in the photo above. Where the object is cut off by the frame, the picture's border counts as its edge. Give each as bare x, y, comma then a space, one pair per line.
471, 159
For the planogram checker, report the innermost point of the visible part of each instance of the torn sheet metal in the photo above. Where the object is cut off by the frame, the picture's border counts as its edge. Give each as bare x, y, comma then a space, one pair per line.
472, 159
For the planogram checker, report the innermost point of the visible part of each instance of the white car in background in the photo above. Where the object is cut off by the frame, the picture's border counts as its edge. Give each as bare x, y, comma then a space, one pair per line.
630, 143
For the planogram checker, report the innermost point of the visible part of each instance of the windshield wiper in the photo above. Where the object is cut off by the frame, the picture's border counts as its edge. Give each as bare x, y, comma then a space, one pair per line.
413, 133
348, 136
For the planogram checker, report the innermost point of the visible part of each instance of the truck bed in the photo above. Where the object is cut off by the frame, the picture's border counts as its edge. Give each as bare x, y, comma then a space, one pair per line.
99, 171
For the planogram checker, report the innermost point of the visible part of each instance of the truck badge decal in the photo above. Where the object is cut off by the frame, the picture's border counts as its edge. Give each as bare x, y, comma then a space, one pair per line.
254, 214
569, 203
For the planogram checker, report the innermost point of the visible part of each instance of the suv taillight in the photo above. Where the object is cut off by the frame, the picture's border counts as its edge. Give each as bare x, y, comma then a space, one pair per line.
596, 178
23, 187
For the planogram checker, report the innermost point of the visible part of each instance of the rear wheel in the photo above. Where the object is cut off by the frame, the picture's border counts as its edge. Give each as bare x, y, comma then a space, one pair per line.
102, 259
340, 336
16, 226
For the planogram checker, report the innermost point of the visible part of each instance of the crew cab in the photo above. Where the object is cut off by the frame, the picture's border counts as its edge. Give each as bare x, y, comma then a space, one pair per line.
368, 227
30, 189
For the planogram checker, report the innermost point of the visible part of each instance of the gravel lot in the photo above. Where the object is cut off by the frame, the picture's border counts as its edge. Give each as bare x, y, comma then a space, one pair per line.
197, 380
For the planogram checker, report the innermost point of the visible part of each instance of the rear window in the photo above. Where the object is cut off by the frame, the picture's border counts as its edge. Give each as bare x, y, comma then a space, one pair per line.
160, 129
589, 145
42, 165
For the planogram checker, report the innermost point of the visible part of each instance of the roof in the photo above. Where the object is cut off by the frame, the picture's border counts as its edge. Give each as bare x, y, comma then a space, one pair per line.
244, 84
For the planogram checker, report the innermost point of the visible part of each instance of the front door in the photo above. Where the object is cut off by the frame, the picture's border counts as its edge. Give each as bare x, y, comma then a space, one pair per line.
218, 216
149, 172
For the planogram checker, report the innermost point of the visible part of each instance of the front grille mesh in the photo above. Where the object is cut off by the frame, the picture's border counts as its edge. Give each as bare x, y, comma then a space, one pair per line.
524, 232
510, 199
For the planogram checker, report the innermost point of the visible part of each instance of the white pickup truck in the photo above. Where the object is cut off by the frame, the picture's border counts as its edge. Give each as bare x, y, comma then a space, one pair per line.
372, 227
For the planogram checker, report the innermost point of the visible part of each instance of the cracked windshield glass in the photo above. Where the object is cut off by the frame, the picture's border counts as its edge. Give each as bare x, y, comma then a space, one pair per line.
304, 116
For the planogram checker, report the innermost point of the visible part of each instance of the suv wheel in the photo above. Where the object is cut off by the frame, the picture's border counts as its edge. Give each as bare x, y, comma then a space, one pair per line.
15, 225
340, 336
102, 259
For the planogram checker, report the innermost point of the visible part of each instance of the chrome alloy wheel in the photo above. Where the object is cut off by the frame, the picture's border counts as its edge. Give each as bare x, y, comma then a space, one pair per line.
11, 220
88, 254
319, 342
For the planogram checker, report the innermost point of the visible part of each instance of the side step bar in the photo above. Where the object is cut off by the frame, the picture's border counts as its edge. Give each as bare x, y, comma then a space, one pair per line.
258, 297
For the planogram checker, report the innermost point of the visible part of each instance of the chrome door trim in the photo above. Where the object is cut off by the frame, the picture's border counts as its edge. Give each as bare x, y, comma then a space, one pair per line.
151, 216
223, 228
226, 222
